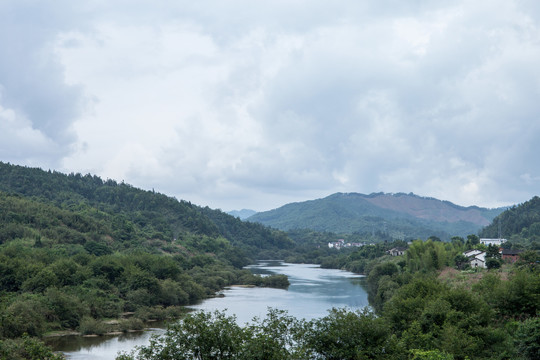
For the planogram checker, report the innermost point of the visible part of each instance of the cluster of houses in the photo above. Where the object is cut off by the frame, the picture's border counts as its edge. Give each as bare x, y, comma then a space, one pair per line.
477, 258
340, 244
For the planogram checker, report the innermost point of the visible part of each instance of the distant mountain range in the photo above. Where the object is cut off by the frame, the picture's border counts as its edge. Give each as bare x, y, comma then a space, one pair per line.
242, 214
402, 216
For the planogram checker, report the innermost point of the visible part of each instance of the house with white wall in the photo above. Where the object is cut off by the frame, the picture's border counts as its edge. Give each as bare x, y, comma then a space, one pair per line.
496, 242
477, 258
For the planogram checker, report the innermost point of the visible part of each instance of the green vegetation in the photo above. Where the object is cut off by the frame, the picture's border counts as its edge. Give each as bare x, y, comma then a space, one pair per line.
26, 348
417, 314
80, 253
76, 250
520, 225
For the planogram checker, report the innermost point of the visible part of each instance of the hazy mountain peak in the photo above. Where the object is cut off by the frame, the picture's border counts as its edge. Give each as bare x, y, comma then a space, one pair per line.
242, 214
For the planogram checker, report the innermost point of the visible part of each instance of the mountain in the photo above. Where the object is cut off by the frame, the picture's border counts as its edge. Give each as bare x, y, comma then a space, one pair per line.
400, 215
242, 214
138, 215
521, 222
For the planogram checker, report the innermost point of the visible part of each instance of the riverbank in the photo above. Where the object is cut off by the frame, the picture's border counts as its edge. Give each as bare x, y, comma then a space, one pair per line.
312, 292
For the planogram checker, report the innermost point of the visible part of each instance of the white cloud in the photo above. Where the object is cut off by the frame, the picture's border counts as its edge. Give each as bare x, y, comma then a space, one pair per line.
240, 105
21, 143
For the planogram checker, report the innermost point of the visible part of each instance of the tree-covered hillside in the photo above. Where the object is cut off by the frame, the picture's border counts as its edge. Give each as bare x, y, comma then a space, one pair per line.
155, 215
520, 224
76, 249
400, 216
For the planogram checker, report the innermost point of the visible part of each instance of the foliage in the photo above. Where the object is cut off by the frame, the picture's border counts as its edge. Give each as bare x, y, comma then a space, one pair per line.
26, 348
215, 335
520, 223
430, 355
76, 249
91, 326
340, 335
349, 335
528, 338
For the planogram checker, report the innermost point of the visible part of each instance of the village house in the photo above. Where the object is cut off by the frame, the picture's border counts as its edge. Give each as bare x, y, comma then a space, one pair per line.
477, 262
337, 244
510, 255
342, 244
496, 242
477, 258
397, 251
471, 253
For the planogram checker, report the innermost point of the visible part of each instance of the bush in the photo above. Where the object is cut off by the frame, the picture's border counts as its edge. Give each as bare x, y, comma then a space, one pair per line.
527, 338
131, 324
24, 316
67, 308
91, 326
27, 348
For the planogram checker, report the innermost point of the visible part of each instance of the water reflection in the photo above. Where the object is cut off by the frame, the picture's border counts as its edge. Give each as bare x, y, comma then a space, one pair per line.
313, 291
102, 347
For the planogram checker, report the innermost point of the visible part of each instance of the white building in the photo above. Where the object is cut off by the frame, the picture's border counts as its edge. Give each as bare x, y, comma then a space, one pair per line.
471, 253
477, 258
397, 251
337, 244
478, 263
496, 242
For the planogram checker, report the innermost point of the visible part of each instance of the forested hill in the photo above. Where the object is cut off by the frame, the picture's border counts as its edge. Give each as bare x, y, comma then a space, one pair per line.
518, 222
75, 250
153, 215
400, 215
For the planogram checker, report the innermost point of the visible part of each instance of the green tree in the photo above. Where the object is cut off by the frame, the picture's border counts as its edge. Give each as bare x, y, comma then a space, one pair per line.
461, 261
527, 338
493, 252
345, 334
430, 355
27, 348
472, 241
276, 337
493, 263
208, 336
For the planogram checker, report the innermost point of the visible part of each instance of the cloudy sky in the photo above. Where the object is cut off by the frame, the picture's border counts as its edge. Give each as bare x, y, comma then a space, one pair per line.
254, 104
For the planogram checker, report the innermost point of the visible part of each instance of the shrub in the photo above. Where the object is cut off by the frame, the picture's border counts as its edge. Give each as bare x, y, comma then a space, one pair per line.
91, 326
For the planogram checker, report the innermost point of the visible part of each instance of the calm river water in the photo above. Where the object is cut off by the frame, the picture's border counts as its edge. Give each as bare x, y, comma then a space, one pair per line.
313, 291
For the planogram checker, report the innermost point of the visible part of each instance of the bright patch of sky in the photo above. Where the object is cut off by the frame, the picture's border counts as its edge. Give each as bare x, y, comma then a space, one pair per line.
242, 104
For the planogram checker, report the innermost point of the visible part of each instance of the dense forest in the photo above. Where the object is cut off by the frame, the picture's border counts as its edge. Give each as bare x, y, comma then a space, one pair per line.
76, 250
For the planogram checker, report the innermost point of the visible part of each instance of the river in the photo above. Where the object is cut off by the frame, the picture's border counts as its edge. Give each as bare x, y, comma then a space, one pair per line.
313, 291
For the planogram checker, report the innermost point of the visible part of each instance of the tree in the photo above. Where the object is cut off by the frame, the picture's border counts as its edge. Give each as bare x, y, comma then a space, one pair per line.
527, 338
493, 263
27, 348
493, 252
430, 355
461, 261
345, 334
202, 335
472, 240
277, 337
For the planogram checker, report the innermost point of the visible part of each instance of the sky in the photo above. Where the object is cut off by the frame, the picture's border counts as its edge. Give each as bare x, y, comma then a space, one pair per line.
238, 104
